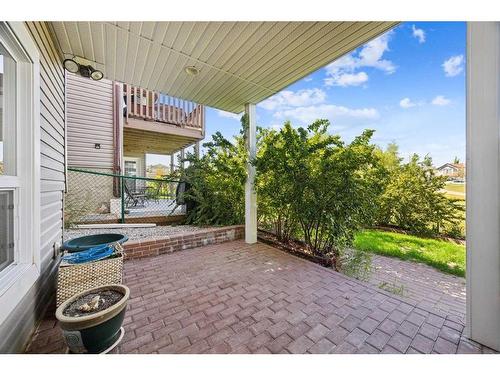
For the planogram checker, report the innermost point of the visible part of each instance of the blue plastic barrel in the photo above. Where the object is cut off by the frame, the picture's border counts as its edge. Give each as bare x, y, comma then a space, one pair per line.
86, 242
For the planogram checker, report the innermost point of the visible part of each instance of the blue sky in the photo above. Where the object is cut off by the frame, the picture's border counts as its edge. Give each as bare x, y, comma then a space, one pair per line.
408, 85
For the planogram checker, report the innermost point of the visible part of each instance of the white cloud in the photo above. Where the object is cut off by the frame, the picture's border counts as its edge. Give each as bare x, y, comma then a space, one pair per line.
287, 98
347, 79
234, 116
453, 66
406, 103
332, 112
419, 34
441, 100
371, 54
343, 72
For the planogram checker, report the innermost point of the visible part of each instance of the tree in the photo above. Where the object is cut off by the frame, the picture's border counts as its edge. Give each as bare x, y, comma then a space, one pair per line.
413, 199
456, 160
312, 186
216, 182
389, 158
316, 187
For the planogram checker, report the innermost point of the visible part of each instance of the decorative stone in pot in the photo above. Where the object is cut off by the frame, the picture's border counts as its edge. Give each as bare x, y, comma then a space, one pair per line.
92, 320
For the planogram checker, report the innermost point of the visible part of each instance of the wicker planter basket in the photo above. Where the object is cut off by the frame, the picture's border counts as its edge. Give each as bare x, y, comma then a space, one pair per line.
76, 278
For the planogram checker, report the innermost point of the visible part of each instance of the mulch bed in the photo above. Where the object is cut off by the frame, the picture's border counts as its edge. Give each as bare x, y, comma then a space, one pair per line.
297, 248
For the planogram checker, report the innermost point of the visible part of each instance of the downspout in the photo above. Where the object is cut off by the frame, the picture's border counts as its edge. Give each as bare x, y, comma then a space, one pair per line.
65, 136
116, 137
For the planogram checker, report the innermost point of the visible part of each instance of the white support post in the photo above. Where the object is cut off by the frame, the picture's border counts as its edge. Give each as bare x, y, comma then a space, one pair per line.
250, 195
483, 183
181, 161
172, 168
197, 150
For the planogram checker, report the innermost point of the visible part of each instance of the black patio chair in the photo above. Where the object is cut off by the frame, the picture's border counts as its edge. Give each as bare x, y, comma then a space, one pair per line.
134, 197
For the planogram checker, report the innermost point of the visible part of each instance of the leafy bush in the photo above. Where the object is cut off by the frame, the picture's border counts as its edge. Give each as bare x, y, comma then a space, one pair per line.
217, 182
413, 199
313, 186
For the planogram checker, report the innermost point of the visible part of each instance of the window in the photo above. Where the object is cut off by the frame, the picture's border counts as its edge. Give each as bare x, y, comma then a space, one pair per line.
6, 229
7, 156
19, 165
130, 168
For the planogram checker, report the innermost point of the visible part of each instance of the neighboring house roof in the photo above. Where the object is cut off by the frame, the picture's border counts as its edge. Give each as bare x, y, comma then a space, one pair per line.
455, 166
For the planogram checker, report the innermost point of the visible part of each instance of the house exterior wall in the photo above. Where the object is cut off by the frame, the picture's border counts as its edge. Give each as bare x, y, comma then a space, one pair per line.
140, 159
16, 329
89, 107
483, 183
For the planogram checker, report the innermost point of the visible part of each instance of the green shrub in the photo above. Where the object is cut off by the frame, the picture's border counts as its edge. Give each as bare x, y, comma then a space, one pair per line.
413, 199
313, 186
217, 182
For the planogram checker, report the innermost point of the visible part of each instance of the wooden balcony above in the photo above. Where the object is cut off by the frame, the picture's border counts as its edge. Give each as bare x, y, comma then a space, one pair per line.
158, 123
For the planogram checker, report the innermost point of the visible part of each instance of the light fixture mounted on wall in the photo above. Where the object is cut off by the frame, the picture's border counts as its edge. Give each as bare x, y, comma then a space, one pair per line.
87, 71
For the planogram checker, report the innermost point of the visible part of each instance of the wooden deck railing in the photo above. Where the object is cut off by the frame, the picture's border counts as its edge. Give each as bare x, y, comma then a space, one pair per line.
154, 106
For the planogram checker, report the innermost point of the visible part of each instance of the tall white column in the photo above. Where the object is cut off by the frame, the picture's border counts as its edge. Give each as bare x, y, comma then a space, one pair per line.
172, 162
181, 161
197, 150
250, 195
483, 183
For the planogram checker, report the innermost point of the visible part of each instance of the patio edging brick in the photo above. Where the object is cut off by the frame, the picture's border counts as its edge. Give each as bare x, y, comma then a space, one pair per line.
168, 244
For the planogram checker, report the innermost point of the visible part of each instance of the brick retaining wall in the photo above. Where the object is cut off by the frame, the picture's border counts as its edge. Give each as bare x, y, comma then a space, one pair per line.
147, 248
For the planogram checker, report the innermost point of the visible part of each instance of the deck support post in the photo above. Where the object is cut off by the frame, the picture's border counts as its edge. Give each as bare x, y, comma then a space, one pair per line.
181, 161
197, 150
172, 168
483, 183
250, 195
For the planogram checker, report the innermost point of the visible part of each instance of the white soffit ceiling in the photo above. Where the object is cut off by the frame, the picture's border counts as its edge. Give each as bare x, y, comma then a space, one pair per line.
239, 62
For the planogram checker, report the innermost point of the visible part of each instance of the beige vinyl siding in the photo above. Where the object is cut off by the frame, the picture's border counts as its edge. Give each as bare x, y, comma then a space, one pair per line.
16, 330
89, 106
52, 139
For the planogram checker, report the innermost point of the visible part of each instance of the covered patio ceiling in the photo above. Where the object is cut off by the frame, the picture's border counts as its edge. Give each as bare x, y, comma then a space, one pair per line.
238, 62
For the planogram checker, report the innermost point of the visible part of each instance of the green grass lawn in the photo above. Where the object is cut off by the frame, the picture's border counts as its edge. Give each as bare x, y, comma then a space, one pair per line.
443, 255
457, 188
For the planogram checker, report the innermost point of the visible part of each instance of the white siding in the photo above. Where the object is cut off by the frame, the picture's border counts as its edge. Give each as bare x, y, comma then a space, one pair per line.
52, 143
89, 107
15, 331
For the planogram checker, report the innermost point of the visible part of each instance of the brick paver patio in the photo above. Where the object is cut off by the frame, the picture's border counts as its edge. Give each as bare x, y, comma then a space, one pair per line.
239, 298
425, 286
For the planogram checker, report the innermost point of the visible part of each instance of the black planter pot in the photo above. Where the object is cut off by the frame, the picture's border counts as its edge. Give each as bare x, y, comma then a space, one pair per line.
94, 333
88, 242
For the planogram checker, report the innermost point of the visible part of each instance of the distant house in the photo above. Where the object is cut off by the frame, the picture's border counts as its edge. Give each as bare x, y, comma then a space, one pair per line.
157, 170
451, 170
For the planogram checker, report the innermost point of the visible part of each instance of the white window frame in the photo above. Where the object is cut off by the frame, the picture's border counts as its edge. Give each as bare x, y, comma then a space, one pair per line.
139, 163
17, 279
